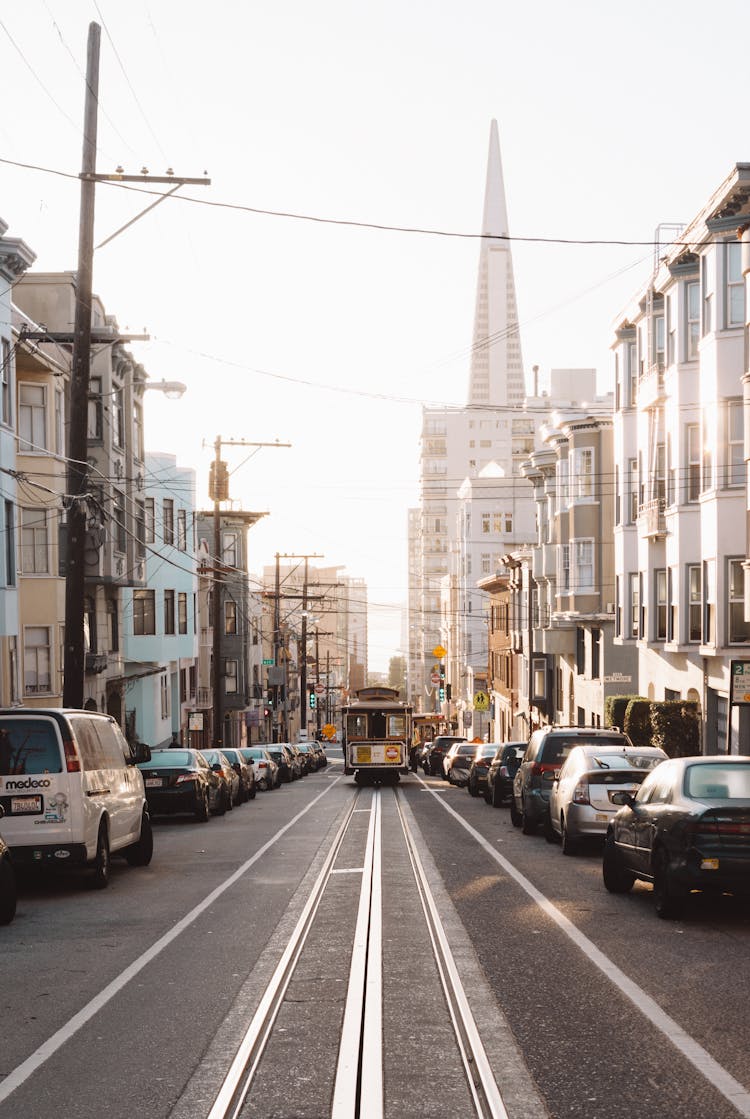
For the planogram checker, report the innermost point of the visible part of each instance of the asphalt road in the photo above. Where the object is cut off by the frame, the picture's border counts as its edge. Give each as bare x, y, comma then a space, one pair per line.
128, 1001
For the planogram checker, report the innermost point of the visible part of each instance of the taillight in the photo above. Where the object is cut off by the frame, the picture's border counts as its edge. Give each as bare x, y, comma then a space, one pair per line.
72, 761
538, 768
183, 777
504, 771
262, 765
581, 793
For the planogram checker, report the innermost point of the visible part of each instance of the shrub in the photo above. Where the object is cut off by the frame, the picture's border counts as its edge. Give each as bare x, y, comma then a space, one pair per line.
615, 707
637, 724
676, 727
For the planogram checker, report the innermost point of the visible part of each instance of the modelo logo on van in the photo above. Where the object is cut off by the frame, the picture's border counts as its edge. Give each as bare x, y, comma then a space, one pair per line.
29, 783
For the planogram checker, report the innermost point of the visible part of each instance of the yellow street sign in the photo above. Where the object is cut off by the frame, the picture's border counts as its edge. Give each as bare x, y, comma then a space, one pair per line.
481, 701
439, 652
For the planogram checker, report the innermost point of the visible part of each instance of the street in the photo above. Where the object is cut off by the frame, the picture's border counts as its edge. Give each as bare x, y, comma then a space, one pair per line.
134, 1000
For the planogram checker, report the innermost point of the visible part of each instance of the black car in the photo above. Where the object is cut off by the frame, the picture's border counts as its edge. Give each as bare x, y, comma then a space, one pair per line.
282, 755
7, 883
439, 747
503, 768
182, 781
476, 782
309, 755
244, 771
687, 828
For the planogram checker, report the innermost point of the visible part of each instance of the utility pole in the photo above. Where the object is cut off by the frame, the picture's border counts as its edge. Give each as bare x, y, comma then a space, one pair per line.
219, 484
78, 469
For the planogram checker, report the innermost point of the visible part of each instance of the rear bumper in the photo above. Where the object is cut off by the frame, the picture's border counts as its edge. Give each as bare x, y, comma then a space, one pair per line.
166, 802
62, 854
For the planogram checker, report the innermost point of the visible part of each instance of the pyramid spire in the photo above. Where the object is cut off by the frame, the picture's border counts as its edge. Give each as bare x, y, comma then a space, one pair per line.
496, 376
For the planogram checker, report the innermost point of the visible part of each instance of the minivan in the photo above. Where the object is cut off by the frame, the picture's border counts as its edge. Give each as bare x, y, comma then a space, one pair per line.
71, 792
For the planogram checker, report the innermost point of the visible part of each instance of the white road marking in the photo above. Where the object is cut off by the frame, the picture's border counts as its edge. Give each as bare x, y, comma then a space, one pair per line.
698, 1057
48, 1048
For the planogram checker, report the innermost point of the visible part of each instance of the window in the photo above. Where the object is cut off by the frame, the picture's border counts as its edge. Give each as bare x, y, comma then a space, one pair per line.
563, 570
5, 409
95, 408
230, 617
59, 423
707, 298
118, 500
633, 490
508, 522
709, 602
113, 626
672, 629
580, 650
118, 419
561, 472
735, 465
34, 542
140, 528
144, 612
138, 432
634, 604
182, 612
497, 522
596, 648
168, 611
168, 520
37, 660
633, 373
182, 530
10, 544
694, 602
660, 604
230, 677
583, 564
229, 549
707, 479
485, 523
693, 454
164, 690
150, 519
618, 606
692, 319
735, 287
32, 417
738, 630
658, 341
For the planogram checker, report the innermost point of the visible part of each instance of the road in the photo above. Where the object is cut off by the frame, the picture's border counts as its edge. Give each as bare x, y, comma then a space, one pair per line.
134, 1000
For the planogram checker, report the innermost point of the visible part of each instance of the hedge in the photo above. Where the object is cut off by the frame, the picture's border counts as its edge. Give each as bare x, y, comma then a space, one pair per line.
676, 727
637, 724
615, 707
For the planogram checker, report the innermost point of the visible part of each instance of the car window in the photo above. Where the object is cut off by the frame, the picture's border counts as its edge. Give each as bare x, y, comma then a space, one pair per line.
657, 787
718, 781
111, 750
29, 746
93, 755
180, 759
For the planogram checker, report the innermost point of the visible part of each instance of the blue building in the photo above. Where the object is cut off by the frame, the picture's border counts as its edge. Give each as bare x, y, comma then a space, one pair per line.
160, 639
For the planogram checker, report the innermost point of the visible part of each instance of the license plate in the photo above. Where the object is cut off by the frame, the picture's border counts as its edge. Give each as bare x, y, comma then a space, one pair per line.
152, 782
18, 805
601, 817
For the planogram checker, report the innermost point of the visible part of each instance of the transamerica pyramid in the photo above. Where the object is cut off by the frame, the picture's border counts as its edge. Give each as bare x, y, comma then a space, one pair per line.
496, 376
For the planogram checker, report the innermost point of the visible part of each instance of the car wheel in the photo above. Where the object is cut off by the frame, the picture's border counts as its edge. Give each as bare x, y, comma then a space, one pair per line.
473, 788
488, 794
252, 791
221, 803
528, 827
201, 808
568, 844
668, 898
230, 799
139, 854
99, 879
496, 799
7, 892
549, 832
617, 879
516, 818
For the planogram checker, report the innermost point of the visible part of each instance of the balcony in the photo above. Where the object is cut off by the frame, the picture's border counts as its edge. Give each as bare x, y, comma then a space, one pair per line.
203, 697
651, 518
651, 385
96, 662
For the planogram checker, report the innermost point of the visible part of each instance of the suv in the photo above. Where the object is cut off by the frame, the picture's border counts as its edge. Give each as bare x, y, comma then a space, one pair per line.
438, 749
70, 790
547, 750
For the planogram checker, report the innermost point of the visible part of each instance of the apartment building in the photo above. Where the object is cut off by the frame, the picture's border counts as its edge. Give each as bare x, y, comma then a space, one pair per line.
681, 538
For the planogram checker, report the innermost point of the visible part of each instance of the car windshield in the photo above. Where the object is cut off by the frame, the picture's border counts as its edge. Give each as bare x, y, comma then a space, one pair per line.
617, 760
233, 756
718, 781
558, 746
29, 746
213, 757
172, 759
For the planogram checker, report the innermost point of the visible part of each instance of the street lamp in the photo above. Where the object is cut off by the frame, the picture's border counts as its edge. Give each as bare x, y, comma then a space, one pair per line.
173, 390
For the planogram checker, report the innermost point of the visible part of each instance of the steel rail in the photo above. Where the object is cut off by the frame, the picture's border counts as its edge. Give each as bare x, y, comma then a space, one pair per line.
238, 1080
482, 1084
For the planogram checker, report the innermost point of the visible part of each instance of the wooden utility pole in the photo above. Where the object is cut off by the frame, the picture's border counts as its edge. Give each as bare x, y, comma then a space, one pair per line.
78, 468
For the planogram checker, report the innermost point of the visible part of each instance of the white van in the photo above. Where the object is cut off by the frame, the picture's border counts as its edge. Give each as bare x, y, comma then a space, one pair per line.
71, 791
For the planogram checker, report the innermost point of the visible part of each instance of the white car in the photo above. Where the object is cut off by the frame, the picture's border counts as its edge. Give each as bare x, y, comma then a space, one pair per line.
71, 791
266, 769
580, 802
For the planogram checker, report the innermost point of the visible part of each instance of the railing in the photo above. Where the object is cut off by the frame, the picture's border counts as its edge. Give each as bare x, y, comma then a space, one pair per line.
651, 519
203, 697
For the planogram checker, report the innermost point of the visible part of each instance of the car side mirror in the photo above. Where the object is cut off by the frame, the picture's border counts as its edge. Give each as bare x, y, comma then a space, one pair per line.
216, 767
139, 752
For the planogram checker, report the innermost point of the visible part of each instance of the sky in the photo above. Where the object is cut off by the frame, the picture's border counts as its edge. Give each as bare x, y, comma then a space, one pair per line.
613, 118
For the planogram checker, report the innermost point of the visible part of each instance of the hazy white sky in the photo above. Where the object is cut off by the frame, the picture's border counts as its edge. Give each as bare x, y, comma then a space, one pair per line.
613, 118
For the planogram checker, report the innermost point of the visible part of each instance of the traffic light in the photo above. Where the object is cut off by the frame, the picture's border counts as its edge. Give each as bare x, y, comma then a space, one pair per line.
313, 700
266, 712
441, 693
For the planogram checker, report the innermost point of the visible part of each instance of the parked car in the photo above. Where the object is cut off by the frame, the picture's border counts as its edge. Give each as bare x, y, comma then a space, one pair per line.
503, 769
545, 753
476, 781
299, 759
439, 747
581, 799
7, 882
687, 828
178, 780
282, 756
244, 771
221, 765
311, 760
457, 761
265, 769
71, 791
